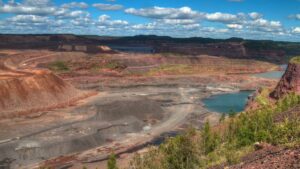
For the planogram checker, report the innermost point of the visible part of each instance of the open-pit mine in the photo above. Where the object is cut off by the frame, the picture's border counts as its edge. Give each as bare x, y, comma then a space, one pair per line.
70, 103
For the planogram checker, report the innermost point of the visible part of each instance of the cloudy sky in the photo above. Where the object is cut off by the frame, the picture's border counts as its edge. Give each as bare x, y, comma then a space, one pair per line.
252, 19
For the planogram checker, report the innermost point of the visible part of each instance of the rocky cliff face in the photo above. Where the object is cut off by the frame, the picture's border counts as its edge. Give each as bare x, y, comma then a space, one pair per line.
290, 81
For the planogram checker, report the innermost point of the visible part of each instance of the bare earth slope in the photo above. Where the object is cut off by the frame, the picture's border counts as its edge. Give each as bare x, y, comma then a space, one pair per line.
30, 93
24, 91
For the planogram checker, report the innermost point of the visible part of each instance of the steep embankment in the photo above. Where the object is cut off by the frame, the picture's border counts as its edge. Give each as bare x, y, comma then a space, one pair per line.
290, 81
40, 91
24, 91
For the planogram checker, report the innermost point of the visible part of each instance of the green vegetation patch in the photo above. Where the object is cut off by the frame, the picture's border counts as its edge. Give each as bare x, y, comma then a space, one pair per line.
112, 162
59, 66
263, 97
295, 60
113, 65
172, 69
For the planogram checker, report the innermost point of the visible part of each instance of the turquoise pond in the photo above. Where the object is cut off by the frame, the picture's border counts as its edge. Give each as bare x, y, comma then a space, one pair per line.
225, 103
272, 74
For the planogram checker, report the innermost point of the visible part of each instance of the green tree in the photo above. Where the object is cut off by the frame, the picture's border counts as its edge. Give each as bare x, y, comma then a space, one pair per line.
209, 139
231, 113
180, 153
112, 162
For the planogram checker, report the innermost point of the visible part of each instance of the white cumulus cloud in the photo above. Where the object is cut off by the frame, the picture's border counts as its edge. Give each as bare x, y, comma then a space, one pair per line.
105, 20
255, 15
66, 14
37, 2
108, 7
296, 30
234, 26
221, 17
164, 13
81, 5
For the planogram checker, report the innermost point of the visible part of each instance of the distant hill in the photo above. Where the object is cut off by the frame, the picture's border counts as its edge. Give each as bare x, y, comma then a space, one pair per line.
273, 51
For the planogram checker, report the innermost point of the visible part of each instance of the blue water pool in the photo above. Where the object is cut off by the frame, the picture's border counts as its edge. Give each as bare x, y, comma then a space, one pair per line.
270, 75
225, 103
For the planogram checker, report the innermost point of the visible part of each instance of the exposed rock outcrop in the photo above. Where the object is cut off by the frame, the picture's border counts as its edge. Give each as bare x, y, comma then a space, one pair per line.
290, 81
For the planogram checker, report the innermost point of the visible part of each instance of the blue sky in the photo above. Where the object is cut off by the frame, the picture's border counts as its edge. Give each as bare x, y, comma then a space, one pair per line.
251, 19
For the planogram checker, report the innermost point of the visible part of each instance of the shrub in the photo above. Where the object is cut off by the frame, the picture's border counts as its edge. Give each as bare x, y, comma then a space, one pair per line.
153, 159
263, 97
232, 113
232, 157
58, 66
209, 140
286, 132
112, 162
295, 59
181, 152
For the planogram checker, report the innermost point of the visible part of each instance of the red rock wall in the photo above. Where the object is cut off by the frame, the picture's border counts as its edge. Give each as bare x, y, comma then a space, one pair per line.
290, 82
